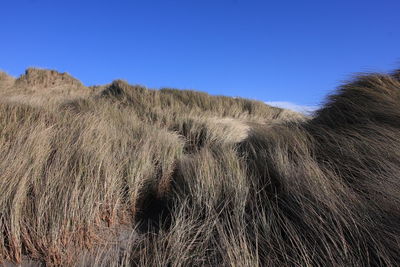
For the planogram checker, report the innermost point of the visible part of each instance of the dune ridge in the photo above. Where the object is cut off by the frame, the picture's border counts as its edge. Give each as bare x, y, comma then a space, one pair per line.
120, 174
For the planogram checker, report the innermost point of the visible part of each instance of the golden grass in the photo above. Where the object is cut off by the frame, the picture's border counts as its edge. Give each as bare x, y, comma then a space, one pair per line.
121, 175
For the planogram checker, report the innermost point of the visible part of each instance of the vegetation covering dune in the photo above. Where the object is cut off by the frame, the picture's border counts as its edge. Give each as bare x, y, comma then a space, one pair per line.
119, 175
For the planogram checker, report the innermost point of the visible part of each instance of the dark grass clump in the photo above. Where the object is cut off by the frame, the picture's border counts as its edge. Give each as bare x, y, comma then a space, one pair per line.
330, 186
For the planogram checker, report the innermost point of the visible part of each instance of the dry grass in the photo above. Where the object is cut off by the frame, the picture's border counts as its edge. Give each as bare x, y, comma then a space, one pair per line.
122, 175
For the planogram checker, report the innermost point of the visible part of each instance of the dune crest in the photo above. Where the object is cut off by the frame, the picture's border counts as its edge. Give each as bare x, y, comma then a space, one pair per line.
123, 175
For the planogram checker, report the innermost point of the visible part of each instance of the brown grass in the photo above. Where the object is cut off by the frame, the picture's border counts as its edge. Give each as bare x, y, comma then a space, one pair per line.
120, 175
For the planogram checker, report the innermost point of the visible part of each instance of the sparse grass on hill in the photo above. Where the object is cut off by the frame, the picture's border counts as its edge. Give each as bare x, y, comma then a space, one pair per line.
120, 175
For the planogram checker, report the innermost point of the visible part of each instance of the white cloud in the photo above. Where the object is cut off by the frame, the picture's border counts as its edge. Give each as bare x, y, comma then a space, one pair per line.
292, 106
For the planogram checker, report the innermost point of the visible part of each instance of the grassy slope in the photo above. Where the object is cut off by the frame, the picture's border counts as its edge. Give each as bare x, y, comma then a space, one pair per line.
120, 174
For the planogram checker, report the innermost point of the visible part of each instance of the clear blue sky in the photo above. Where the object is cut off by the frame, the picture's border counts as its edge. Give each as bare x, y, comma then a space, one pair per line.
295, 51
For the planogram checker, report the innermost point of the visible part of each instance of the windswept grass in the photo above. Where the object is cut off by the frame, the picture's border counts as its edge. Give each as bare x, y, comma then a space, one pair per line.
120, 175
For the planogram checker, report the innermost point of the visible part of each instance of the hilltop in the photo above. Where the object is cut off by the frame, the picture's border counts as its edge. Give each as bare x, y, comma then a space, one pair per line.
121, 174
